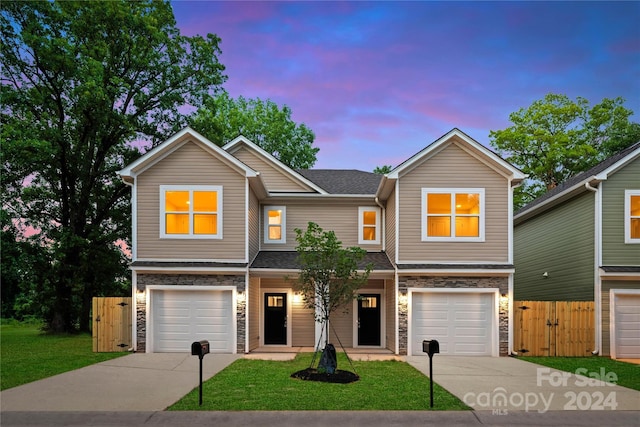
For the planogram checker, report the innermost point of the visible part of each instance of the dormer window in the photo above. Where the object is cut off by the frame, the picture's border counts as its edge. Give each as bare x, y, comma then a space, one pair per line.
191, 212
453, 214
275, 224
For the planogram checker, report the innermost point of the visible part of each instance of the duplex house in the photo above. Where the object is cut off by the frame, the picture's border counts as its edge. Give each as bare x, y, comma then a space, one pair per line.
581, 242
213, 248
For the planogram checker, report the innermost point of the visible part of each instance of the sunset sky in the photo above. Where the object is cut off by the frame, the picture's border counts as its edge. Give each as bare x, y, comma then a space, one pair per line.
378, 81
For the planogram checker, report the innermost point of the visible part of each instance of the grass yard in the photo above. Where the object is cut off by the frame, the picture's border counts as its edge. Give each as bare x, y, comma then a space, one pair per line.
264, 385
628, 374
27, 355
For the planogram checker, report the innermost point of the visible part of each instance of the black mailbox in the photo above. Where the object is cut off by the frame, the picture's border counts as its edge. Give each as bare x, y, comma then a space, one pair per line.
430, 347
200, 348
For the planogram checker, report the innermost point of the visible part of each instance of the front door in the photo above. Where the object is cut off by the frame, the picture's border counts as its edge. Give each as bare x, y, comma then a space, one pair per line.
275, 318
369, 319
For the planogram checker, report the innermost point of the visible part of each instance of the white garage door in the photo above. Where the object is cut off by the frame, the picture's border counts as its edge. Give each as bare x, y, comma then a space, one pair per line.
461, 322
182, 317
627, 326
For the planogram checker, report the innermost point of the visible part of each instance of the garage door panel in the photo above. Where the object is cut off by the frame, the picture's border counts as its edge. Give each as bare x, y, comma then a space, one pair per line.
627, 326
461, 322
182, 317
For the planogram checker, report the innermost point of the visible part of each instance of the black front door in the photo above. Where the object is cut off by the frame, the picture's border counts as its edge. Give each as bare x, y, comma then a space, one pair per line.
275, 318
369, 319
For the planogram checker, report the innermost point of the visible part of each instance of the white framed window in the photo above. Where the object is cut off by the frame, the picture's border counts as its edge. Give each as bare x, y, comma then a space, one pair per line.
275, 221
368, 225
632, 216
453, 214
191, 212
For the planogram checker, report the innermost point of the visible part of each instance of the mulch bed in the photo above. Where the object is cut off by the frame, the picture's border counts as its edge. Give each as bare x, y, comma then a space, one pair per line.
339, 376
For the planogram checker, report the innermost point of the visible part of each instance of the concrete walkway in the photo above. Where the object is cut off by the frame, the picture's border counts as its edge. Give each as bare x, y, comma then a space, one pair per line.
510, 384
136, 382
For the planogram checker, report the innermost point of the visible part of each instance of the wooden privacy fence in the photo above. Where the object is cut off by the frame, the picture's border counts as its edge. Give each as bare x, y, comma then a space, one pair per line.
554, 328
111, 324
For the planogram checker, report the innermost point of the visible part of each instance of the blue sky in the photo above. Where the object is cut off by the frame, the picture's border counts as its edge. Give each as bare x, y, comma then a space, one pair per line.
378, 81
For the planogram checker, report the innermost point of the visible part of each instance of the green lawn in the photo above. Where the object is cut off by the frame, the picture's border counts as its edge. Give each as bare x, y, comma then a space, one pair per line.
28, 355
628, 374
266, 385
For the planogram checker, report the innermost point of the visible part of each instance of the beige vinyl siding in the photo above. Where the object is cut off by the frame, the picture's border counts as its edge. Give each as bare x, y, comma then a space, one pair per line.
254, 225
453, 168
337, 216
342, 325
607, 285
304, 332
254, 313
191, 165
390, 220
614, 249
390, 314
559, 242
274, 179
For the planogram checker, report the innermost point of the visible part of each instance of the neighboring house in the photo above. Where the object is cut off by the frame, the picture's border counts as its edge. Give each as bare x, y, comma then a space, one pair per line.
213, 248
581, 242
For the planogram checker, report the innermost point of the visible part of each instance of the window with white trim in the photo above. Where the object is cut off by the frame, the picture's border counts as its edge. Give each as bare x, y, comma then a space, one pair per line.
368, 225
453, 214
632, 216
275, 224
191, 212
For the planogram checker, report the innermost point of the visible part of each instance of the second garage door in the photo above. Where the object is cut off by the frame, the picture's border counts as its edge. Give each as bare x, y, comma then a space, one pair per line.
183, 316
627, 326
461, 322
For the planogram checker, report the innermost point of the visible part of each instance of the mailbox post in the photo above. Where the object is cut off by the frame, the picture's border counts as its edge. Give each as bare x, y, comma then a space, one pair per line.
200, 348
431, 347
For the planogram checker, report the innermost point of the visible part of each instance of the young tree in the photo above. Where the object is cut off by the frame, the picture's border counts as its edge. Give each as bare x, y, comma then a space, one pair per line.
80, 82
556, 138
222, 118
330, 275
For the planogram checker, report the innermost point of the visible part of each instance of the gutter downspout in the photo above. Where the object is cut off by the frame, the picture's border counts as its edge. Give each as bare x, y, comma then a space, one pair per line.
597, 292
134, 281
510, 333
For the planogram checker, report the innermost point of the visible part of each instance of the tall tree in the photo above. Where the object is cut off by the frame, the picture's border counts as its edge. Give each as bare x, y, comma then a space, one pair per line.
80, 82
382, 170
222, 118
329, 276
556, 138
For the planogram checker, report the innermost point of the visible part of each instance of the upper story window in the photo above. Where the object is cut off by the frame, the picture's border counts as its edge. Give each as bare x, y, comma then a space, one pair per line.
453, 214
191, 212
632, 216
275, 224
368, 225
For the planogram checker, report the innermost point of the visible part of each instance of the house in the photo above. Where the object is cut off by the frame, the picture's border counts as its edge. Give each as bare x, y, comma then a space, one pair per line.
213, 248
581, 242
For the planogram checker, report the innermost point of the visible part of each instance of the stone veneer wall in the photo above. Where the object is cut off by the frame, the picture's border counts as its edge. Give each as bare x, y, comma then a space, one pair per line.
405, 282
213, 280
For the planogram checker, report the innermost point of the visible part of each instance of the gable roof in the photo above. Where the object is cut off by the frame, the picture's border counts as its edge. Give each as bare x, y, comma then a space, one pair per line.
464, 142
577, 183
241, 140
343, 181
473, 147
151, 157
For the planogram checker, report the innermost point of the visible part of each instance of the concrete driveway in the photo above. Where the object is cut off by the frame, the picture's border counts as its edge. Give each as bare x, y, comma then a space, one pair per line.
136, 382
152, 382
508, 384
